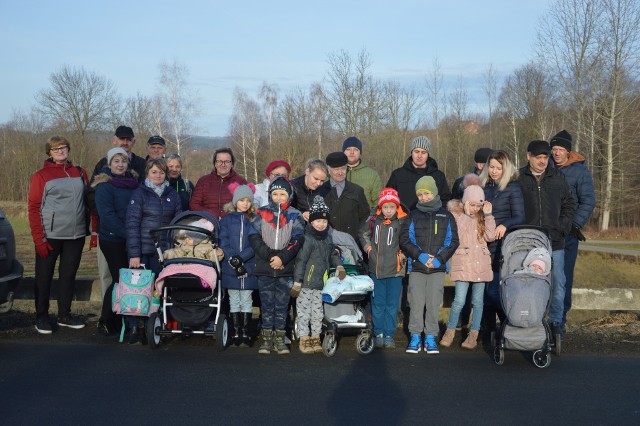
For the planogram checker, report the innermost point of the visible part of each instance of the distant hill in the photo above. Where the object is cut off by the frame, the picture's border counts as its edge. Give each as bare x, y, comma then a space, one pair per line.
208, 142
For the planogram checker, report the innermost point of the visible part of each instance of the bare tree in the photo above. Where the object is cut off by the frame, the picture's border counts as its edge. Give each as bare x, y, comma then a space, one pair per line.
319, 106
458, 143
490, 89
269, 96
435, 90
247, 125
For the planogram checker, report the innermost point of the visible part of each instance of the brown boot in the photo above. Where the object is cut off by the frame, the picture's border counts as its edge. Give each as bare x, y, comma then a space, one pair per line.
278, 343
447, 338
305, 345
316, 344
471, 340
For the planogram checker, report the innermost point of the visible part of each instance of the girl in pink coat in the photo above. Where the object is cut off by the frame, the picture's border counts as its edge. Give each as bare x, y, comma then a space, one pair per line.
471, 263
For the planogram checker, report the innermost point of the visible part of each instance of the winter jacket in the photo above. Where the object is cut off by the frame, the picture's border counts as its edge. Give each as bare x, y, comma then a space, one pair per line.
472, 260
581, 186
404, 181
112, 195
56, 202
136, 164
434, 233
184, 188
314, 259
368, 179
383, 236
348, 212
147, 211
235, 230
548, 203
279, 232
212, 192
303, 196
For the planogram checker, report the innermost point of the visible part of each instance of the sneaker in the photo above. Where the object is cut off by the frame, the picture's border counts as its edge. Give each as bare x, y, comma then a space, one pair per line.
43, 326
71, 322
430, 345
389, 343
414, 344
379, 341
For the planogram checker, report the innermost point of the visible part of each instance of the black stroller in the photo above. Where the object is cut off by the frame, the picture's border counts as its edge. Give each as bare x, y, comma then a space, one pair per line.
191, 297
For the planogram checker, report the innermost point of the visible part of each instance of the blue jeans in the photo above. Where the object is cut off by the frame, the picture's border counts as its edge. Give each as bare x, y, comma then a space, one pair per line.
384, 306
274, 301
556, 309
477, 294
240, 300
570, 256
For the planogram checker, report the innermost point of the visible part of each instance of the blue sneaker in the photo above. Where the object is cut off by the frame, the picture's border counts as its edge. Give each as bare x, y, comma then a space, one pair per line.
414, 344
389, 343
379, 341
430, 345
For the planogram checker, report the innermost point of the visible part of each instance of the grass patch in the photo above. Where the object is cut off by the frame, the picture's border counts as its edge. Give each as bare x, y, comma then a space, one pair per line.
602, 270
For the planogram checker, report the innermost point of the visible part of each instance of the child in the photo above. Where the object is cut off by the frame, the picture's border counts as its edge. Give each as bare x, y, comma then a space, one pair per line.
194, 244
381, 240
312, 264
237, 271
429, 237
276, 243
536, 262
471, 263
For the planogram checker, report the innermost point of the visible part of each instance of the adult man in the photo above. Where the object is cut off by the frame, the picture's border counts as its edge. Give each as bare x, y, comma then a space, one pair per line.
571, 164
348, 206
480, 158
360, 173
548, 203
156, 148
212, 191
419, 164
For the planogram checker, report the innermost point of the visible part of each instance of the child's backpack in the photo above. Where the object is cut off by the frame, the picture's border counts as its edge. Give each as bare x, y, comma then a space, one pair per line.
133, 292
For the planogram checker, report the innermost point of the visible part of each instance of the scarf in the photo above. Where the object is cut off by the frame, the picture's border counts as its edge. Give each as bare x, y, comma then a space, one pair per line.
430, 206
158, 189
125, 181
318, 235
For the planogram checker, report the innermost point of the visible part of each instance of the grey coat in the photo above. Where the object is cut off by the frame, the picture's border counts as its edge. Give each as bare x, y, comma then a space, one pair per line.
314, 260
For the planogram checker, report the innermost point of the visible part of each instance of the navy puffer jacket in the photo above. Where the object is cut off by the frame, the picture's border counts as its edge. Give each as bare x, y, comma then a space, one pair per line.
235, 230
147, 211
581, 186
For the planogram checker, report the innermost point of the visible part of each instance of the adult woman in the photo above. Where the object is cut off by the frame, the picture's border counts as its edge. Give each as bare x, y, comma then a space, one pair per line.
153, 204
212, 191
112, 190
276, 168
59, 224
307, 186
499, 178
184, 187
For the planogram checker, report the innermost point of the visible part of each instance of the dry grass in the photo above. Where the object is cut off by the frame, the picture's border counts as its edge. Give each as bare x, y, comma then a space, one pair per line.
619, 319
628, 234
600, 270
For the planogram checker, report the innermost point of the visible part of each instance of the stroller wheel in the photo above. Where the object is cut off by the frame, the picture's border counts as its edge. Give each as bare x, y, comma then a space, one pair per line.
493, 339
154, 324
498, 355
222, 332
540, 359
364, 344
329, 344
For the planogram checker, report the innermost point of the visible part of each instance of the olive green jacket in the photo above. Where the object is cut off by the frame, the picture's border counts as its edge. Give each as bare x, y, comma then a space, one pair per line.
368, 179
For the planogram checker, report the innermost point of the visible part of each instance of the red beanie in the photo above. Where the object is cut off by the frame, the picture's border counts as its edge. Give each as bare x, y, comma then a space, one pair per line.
388, 195
277, 163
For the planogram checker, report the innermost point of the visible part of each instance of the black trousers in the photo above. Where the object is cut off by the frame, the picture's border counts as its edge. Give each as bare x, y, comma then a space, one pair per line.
116, 255
70, 253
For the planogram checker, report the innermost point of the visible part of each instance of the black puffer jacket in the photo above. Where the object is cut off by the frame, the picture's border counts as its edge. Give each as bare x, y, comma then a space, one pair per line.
404, 181
548, 203
348, 212
314, 259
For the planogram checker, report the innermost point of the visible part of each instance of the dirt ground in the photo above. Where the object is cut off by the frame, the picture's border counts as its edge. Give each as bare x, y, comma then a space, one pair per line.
594, 332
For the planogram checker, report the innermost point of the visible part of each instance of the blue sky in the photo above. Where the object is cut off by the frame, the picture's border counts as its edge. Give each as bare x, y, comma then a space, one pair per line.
245, 43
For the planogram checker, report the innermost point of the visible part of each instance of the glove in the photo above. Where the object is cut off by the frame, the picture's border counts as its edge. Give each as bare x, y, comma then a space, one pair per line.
43, 249
93, 241
423, 258
295, 290
241, 271
575, 231
340, 272
235, 261
436, 263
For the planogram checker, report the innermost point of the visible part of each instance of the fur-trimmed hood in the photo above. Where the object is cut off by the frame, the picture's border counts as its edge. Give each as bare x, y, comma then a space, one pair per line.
106, 176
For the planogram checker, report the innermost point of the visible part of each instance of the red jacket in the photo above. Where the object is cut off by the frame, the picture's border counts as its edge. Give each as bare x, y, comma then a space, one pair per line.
212, 192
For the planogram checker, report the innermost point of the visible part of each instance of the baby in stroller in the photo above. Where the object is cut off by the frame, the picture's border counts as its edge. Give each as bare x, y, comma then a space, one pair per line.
538, 261
194, 244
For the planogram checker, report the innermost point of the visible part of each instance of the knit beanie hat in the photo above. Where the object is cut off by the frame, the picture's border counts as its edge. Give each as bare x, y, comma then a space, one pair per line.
318, 210
275, 164
388, 195
114, 151
421, 142
426, 184
563, 139
474, 194
352, 141
481, 155
281, 183
242, 191
337, 159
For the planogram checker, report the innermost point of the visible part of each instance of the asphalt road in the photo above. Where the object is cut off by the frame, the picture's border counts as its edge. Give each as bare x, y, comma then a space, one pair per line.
44, 382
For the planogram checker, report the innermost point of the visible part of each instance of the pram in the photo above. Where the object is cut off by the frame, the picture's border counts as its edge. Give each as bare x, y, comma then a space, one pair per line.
191, 297
524, 297
351, 310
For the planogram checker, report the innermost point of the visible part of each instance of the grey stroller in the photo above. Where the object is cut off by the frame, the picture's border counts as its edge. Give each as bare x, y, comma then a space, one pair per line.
525, 298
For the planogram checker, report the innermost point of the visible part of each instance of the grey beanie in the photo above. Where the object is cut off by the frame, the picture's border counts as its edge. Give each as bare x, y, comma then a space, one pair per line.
242, 191
114, 151
421, 142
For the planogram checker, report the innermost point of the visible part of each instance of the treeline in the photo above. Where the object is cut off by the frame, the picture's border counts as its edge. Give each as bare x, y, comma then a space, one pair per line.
584, 78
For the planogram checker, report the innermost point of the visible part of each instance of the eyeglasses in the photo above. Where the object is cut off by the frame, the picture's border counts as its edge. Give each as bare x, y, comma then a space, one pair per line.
59, 149
223, 162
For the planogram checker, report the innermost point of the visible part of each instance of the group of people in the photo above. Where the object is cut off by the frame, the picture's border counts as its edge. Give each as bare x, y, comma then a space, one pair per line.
277, 237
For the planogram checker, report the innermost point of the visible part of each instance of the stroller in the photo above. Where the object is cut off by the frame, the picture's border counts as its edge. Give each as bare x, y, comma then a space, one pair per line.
191, 297
351, 310
525, 298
